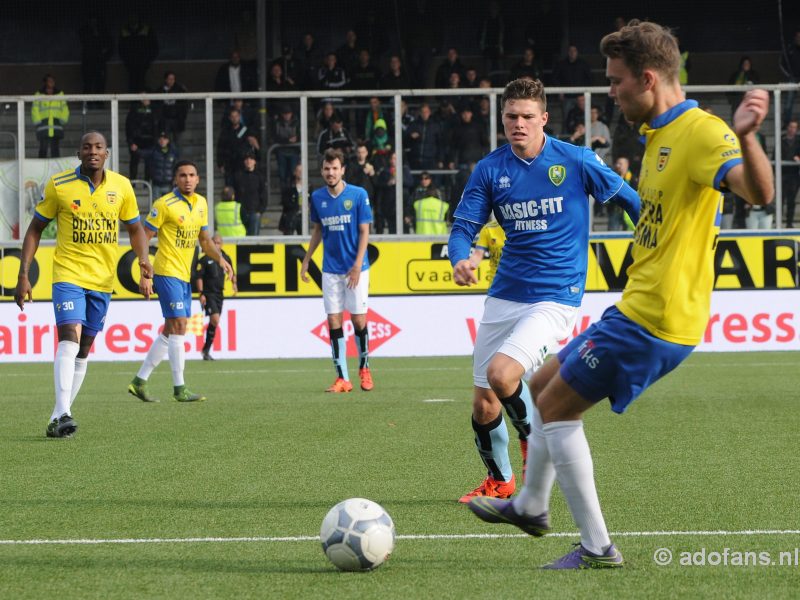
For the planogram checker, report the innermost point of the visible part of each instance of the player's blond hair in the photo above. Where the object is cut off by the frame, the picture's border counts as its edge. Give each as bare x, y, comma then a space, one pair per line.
524, 89
644, 45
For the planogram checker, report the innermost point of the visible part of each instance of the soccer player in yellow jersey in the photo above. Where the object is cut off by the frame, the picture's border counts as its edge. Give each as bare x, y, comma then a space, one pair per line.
690, 156
491, 239
180, 219
86, 202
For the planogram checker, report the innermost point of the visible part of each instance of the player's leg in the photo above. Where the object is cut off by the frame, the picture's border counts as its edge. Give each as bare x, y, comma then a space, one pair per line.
96, 311
333, 295
156, 353
213, 309
356, 301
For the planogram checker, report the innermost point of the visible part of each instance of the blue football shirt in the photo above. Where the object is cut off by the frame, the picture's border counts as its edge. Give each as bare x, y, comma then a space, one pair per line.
340, 217
543, 207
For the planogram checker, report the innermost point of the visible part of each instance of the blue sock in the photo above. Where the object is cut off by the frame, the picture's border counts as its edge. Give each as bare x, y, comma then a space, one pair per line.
339, 352
491, 440
362, 339
519, 407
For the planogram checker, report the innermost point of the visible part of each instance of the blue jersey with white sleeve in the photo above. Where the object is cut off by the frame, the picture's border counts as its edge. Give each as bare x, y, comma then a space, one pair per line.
340, 217
543, 206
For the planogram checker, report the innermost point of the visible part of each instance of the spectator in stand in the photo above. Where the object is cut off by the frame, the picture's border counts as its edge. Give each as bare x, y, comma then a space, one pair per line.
385, 186
430, 214
235, 76
423, 28
309, 60
335, 137
247, 114
528, 66
286, 130
251, 193
49, 115
452, 64
235, 141
482, 111
291, 67
627, 142
448, 117
347, 53
277, 82
245, 39
459, 183
396, 77
426, 144
380, 144
365, 75
291, 222
141, 128
600, 136
571, 71
577, 136
160, 163
372, 116
331, 77
360, 171
790, 174
138, 48
96, 48
471, 79
172, 113
468, 142
790, 67
228, 215
744, 75
577, 114
425, 189
492, 38
618, 219
686, 64
325, 115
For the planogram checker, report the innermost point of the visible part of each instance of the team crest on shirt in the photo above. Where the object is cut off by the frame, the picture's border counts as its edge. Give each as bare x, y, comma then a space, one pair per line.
76, 204
111, 198
154, 213
348, 204
557, 174
663, 158
504, 182
181, 219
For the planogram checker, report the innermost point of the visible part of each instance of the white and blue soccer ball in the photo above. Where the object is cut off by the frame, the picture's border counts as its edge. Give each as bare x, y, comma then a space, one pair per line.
357, 535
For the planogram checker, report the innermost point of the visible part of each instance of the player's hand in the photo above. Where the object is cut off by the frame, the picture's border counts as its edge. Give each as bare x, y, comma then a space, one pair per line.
751, 112
304, 272
23, 293
146, 268
226, 266
464, 273
202, 299
353, 276
145, 286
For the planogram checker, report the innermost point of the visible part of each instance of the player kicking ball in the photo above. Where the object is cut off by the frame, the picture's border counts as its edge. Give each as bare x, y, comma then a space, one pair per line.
180, 219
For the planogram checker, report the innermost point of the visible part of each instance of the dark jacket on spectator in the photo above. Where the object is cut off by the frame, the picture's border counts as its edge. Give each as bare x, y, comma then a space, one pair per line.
340, 140
428, 148
141, 125
250, 191
161, 163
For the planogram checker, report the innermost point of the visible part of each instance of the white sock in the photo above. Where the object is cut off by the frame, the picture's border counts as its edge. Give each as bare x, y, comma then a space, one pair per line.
77, 381
177, 358
157, 352
575, 473
534, 498
63, 376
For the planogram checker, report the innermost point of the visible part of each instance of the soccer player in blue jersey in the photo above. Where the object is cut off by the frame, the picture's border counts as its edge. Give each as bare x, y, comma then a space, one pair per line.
538, 189
340, 216
690, 156
87, 204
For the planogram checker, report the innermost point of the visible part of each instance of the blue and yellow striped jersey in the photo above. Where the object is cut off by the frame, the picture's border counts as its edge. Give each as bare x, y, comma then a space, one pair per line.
87, 225
688, 152
178, 220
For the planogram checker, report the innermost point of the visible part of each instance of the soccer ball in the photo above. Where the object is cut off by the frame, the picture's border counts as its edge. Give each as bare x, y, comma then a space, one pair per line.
357, 535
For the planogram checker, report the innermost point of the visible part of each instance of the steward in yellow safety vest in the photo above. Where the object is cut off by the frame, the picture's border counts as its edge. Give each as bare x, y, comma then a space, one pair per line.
49, 116
227, 215
431, 216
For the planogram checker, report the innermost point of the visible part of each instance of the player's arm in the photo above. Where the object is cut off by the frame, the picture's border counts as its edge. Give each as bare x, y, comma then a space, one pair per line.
23, 292
210, 249
313, 244
355, 271
477, 255
140, 244
629, 200
752, 179
459, 250
233, 276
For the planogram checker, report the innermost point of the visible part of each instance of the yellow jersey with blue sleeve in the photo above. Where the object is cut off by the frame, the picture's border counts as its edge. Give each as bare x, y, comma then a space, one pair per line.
688, 152
87, 228
491, 239
178, 220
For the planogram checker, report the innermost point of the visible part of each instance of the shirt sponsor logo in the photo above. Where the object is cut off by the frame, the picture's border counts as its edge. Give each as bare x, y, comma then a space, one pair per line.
663, 158
557, 174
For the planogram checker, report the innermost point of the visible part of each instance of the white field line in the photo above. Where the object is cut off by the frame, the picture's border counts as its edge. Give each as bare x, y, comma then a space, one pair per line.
442, 536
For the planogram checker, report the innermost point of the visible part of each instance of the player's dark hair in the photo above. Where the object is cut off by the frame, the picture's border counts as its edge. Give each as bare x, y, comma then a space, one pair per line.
94, 132
644, 45
524, 89
331, 154
185, 163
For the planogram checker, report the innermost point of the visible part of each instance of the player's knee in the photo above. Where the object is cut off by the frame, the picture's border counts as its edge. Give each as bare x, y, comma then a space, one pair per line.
502, 379
485, 409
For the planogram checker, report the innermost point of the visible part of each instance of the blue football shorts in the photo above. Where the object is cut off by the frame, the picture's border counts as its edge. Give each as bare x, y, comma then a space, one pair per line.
617, 359
74, 304
174, 295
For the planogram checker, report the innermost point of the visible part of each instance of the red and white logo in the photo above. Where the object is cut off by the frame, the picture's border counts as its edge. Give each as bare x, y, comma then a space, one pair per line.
381, 330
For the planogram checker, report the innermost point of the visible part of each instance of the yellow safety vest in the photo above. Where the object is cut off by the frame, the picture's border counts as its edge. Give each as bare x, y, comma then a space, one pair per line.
44, 114
431, 212
228, 220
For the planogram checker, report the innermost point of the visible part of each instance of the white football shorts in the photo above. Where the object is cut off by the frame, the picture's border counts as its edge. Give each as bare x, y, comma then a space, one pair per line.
525, 332
338, 298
